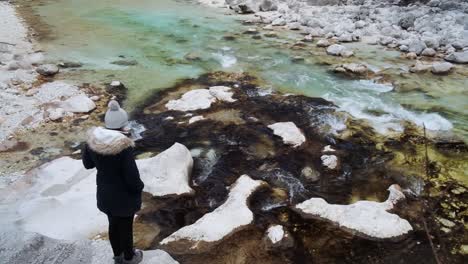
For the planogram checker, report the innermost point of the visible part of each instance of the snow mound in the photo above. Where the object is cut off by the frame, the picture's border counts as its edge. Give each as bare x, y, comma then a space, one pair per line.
167, 173
290, 133
213, 227
368, 218
201, 99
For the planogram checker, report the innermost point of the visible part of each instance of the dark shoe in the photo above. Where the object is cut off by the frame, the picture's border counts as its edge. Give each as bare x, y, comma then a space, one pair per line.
137, 258
119, 259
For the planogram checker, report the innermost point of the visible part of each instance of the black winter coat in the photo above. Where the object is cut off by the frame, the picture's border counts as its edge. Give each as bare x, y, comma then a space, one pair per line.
119, 186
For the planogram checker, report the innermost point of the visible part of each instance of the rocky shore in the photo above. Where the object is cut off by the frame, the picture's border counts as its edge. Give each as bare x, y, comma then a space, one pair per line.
416, 28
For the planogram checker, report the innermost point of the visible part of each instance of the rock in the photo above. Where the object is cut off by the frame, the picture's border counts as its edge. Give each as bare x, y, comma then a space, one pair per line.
251, 31
310, 174
95, 98
47, 70
346, 37
416, 46
290, 133
328, 148
2, 120
368, 218
70, 64
308, 38
446, 222
339, 50
192, 100
229, 37
268, 5
419, 67
78, 104
125, 62
329, 161
353, 68
214, 227
243, 9
294, 26
407, 21
323, 43
428, 52
411, 55
168, 173
278, 238
464, 250
441, 67
8, 144
404, 48
384, 41
278, 22
458, 57
360, 24
192, 56
56, 114
271, 34
32, 92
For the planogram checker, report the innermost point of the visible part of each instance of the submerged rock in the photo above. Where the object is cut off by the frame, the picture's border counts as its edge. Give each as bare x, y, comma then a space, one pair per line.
47, 70
213, 227
167, 173
367, 218
290, 133
125, 62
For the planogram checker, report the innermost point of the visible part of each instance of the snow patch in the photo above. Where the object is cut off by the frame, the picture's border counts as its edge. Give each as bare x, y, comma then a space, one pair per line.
223, 221
290, 133
167, 173
369, 218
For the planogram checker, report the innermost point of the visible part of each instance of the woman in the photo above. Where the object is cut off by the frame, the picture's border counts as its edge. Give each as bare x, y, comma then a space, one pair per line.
119, 186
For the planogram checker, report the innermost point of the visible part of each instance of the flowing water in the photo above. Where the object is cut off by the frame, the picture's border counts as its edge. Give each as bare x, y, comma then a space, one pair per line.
158, 34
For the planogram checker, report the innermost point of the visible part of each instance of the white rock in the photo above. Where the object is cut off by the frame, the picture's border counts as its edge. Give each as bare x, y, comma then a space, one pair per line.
78, 104
192, 100
95, 98
278, 22
56, 113
428, 52
441, 67
275, 233
47, 69
368, 218
420, 67
167, 173
290, 133
222, 93
195, 119
329, 161
213, 227
323, 43
458, 57
346, 37
339, 50
55, 91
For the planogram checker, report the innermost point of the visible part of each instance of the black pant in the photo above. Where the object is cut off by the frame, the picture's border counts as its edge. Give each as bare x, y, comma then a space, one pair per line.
121, 235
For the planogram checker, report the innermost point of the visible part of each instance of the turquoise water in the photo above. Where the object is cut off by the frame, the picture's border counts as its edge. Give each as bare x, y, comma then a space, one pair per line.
158, 34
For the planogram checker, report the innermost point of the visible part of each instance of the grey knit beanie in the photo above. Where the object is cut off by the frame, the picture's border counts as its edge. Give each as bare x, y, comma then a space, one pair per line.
116, 117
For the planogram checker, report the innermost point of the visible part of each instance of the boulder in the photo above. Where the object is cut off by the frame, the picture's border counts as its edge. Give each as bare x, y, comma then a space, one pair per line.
192, 100
441, 67
428, 52
367, 218
416, 46
279, 22
411, 56
346, 37
47, 70
294, 26
208, 231
308, 38
352, 68
289, 132
168, 173
56, 113
323, 43
420, 67
78, 104
458, 57
339, 50
407, 20
268, 5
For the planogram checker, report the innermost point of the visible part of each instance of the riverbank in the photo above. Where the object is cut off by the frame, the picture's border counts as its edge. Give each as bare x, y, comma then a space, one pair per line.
244, 127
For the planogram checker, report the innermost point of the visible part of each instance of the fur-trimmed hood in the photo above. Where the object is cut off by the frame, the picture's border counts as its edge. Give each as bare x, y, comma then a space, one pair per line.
108, 142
